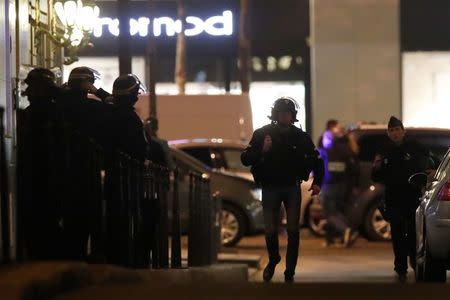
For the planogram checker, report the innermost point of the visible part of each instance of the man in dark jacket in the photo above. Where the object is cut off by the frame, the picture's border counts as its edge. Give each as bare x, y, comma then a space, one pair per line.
340, 180
393, 166
281, 156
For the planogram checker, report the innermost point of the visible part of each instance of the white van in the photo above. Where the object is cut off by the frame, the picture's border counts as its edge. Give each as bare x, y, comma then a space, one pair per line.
200, 116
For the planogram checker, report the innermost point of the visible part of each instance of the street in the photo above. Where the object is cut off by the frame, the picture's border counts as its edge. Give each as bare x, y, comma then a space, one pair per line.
368, 262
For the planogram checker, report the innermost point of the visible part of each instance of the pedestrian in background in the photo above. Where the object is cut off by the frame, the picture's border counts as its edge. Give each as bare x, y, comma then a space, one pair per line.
393, 165
340, 181
281, 156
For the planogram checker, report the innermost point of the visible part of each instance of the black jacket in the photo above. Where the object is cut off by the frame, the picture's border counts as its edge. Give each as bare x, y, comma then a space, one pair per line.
292, 157
398, 164
127, 133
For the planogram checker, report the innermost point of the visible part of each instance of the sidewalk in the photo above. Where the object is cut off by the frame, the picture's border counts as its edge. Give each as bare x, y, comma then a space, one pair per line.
47, 280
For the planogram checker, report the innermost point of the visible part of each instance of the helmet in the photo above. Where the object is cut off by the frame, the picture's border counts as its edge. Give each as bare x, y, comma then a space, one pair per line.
127, 85
284, 104
126, 89
39, 84
39, 76
83, 73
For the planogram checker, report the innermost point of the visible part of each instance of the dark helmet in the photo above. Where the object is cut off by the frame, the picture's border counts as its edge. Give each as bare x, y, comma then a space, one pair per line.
40, 76
40, 82
79, 74
127, 88
284, 104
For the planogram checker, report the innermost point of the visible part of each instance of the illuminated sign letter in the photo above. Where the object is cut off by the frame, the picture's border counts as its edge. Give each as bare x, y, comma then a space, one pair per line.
198, 26
171, 25
227, 24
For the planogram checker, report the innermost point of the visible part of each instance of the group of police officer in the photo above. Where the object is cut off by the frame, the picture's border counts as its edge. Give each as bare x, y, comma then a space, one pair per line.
282, 155
59, 216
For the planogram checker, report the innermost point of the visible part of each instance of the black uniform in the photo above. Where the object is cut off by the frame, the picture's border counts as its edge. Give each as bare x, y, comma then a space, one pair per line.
85, 130
401, 198
39, 178
280, 170
292, 157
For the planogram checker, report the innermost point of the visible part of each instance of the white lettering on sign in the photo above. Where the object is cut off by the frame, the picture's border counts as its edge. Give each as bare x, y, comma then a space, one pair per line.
216, 26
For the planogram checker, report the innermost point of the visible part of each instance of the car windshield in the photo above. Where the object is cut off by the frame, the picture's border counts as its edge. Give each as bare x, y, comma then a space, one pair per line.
188, 159
233, 159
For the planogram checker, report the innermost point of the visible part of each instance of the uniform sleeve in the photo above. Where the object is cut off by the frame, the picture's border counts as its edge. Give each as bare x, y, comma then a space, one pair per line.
313, 158
252, 155
378, 170
102, 94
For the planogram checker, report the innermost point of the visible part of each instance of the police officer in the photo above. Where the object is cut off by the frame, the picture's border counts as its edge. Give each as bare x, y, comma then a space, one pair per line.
84, 113
85, 129
340, 180
126, 128
393, 165
281, 156
39, 144
126, 136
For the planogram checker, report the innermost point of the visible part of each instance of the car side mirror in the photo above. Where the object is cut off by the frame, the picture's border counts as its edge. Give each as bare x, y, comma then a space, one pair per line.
418, 180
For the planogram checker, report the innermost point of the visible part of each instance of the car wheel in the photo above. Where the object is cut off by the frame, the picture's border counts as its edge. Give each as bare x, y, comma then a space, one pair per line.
233, 225
433, 269
315, 219
376, 227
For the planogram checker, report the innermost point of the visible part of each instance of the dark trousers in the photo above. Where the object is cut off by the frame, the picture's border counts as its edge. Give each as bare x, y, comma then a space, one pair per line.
403, 237
333, 198
272, 197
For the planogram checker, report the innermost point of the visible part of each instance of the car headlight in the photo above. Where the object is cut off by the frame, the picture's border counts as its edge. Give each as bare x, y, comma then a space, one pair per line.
257, 194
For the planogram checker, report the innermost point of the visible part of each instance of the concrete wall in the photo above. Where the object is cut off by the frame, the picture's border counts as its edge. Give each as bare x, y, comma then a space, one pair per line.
355, 61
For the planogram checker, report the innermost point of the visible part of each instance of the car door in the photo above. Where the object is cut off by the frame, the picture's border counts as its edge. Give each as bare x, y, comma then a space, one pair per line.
426, 201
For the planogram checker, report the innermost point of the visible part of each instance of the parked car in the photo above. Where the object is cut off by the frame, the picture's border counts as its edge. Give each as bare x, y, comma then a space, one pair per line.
433, 225
363, 208
221, 154
241, 209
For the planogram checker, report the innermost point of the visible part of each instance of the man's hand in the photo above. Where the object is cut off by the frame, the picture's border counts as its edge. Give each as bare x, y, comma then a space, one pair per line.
315, 189
267, 144
377, 161
88, 87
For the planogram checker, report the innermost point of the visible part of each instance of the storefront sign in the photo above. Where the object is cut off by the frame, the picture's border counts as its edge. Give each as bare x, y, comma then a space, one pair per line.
221, 25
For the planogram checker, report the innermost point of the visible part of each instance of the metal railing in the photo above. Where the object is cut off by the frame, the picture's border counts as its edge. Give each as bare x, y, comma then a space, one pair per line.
121, 204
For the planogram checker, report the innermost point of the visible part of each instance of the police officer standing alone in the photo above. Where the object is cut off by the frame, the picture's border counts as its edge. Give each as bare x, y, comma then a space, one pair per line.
281, 156
393, 165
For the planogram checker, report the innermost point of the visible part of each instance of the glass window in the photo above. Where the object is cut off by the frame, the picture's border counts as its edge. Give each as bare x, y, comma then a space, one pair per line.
436, 143
233, 160
443, 168
371, 144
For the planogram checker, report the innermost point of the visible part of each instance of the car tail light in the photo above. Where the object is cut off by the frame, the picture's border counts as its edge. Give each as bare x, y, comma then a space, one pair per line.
444, 193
